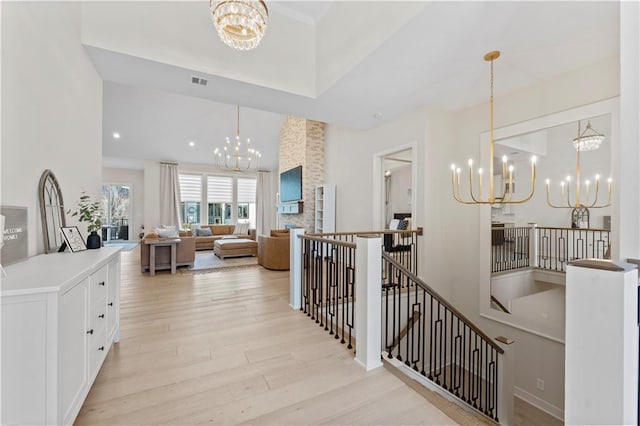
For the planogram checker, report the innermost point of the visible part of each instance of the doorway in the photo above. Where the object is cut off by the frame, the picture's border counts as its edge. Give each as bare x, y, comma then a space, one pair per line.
394, 189
116, 206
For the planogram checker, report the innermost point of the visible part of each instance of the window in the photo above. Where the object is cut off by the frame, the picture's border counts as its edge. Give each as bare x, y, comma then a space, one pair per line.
190, 197
247, 201
219, 199
214, 199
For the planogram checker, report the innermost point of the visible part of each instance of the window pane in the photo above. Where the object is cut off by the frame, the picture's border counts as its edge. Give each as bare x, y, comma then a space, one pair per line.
190, 211
219, 213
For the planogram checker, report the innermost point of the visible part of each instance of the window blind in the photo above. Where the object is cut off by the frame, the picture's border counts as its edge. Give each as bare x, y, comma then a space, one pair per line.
219, 189
246, 190
190, 187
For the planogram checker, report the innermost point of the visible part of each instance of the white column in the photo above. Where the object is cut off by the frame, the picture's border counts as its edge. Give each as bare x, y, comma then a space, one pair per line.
295, 267
601, 345
626, 201
368, 303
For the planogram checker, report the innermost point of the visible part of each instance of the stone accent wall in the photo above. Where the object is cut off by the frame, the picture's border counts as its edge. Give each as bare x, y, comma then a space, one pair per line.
302, 143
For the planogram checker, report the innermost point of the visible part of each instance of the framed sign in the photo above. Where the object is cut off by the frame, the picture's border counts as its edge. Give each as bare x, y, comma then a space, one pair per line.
14, 243
73, 239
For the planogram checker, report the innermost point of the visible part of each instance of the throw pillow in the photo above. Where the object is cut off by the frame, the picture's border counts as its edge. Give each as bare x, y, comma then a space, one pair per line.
393, 225
203, 232
168, 232
403, 225
241, 229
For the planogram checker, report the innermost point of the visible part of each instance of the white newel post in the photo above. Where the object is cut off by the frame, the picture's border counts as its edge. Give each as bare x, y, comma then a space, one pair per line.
601, 344
506, 384
368, 303
295, 266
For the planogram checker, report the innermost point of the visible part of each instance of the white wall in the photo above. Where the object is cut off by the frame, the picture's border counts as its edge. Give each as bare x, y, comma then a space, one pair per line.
449, 248
51, 108
135, 179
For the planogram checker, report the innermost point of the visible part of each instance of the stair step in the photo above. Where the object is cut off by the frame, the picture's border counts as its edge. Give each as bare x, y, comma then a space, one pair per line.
457, 410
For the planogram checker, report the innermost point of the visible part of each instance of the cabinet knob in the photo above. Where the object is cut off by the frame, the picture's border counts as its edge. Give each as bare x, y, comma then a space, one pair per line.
90, 331
101, 316
101, 283
110, 303
101, 348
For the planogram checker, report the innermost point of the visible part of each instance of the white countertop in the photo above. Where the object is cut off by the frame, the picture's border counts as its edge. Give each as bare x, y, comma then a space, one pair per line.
53, 272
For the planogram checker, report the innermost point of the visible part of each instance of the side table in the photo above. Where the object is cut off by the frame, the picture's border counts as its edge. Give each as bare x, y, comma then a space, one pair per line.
153, 243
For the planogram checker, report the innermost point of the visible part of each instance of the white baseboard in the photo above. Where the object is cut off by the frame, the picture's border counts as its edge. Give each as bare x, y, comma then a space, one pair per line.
539, 403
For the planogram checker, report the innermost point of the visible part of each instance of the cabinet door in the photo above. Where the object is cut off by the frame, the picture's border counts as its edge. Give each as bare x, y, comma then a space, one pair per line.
73, 349
24, 360
113, 296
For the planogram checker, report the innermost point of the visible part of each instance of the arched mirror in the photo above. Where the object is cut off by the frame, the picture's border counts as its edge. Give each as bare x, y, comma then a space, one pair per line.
51, 211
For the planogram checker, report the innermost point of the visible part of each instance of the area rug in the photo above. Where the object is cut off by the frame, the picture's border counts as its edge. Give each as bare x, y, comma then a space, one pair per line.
126, 245
207, 261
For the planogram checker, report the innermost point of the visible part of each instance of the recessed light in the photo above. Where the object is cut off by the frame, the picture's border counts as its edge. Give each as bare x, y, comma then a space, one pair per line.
116, 135
192, 143
377, 115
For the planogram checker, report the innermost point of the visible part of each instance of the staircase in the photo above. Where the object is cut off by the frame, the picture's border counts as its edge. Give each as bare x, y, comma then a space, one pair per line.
417, 332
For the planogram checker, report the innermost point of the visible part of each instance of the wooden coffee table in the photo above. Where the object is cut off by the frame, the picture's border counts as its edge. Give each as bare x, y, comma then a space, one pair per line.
153, 243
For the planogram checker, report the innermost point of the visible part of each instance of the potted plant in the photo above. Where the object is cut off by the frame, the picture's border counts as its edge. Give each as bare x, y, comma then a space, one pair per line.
90, 212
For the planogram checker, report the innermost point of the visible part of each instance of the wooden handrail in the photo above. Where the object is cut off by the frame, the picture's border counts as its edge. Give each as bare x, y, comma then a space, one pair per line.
417, 231
311, 237
500, 228
441, 300
574, 229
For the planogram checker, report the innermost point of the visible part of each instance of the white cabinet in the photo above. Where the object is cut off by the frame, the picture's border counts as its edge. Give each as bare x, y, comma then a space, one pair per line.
57, 327
325, 209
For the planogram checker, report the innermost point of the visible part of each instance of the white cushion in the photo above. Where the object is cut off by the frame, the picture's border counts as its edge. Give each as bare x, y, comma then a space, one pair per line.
241, 229
394, 224
170, 232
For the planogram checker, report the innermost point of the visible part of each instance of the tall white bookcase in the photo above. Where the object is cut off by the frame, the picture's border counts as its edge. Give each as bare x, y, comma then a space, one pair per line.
325, 209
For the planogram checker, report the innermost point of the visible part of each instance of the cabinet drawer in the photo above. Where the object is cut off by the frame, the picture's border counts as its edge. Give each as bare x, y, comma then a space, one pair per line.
98, 320
98, 287
97, 349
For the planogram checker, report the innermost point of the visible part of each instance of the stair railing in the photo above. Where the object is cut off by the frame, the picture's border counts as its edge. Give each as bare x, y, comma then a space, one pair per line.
367, 299
443, 345
548, 248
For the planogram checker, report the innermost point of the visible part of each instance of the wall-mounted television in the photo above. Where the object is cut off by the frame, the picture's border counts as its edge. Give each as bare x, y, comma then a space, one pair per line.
291, 185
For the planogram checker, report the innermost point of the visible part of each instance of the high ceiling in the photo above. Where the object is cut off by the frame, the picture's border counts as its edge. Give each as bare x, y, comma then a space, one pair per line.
353, 64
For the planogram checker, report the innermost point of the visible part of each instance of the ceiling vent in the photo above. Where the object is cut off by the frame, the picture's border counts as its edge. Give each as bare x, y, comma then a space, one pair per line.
199, 81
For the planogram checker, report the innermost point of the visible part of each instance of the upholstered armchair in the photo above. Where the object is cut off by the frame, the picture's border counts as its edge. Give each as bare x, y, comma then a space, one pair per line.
273, 251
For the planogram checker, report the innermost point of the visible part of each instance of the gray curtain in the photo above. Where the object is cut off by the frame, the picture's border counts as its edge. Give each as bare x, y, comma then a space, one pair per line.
169, 195
263, 201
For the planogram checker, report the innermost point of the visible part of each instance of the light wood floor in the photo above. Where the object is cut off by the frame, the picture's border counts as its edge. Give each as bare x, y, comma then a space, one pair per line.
226, 348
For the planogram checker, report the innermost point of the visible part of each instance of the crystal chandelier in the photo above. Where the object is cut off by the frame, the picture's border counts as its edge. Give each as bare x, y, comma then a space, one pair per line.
237, 156
585, 141
241, 24
505, 193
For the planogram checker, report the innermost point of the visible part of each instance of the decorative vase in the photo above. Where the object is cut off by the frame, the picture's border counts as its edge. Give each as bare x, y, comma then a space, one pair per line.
93, 240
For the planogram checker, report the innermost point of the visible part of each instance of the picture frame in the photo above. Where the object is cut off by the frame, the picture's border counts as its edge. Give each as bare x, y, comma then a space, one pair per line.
73, 239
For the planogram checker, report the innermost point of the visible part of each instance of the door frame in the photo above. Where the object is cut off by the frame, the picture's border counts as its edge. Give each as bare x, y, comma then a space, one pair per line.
378, 216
